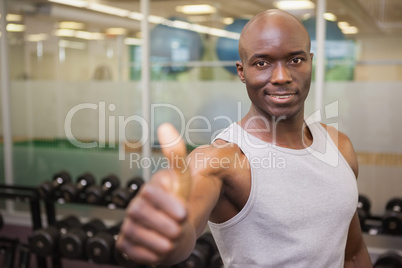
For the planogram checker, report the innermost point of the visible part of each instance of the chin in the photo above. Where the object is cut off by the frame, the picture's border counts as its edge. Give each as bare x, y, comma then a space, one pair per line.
282, 114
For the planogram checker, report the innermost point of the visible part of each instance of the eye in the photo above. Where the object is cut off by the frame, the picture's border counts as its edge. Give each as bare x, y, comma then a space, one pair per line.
296, 60
261, 63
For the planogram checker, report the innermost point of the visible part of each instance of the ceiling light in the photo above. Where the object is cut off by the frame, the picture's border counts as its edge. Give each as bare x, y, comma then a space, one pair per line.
217, 32
200, 28
13, 17
293, 5
156, 19
343, 24
79, 34
132, 41
223, 33
37, 37
109, 9
75, 3
181, 24
135, 16
228, 20
330, 17
306, 16
11, 27
116, 31
88, 35
350, 30
71, 25
64, 32
196, 9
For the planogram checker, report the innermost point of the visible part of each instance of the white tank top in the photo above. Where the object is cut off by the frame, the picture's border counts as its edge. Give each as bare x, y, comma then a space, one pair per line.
299, 208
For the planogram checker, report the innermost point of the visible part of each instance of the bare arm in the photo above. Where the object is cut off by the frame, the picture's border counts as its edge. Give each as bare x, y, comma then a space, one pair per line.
164, 220
356, 253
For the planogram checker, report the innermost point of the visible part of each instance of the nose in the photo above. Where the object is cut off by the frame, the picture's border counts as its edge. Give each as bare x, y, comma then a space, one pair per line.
280, 75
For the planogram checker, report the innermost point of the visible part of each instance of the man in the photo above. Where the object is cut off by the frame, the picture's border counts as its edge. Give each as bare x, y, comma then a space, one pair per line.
268, 196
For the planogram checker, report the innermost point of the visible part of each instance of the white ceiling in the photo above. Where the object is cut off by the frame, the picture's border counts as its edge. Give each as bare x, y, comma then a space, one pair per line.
372, 17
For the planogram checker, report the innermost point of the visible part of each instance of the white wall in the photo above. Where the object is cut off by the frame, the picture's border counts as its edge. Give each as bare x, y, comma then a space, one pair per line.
380, 58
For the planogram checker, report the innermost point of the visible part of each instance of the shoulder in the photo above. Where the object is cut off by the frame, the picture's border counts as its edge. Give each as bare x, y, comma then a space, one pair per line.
222, 162
216, 157
344, 145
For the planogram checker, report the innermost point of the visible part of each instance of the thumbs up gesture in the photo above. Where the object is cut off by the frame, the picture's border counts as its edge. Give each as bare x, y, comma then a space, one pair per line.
156, 219
174, 149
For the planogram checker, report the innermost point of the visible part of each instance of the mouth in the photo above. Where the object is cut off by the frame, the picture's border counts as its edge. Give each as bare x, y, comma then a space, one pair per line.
281, 97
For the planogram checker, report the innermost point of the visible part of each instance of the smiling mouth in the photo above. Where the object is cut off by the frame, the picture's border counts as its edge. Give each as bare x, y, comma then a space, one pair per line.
281, 96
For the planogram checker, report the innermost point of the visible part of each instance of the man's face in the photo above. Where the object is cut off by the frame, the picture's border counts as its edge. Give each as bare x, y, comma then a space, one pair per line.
276, 67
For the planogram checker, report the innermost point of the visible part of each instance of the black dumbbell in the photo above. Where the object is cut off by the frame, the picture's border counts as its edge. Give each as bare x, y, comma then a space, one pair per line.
122, 260
121, 197
363, 210
48, 189
44, 241
76, 192
97, 194
389, 260
72, 244
201, 255
101, 249
392, 220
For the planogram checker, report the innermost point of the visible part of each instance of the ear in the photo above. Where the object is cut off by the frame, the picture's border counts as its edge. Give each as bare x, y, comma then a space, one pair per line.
240, 71
311, 56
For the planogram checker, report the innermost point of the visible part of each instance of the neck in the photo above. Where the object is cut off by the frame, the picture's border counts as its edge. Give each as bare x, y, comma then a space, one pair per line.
281, 131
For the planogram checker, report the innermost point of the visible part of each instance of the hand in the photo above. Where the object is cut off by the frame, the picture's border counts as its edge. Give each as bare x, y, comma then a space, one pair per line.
156, 217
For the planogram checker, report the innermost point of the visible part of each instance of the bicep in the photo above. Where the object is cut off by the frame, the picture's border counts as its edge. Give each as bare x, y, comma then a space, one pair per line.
205, 193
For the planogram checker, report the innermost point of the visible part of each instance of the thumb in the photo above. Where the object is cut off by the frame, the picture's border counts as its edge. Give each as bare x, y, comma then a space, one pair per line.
174, 149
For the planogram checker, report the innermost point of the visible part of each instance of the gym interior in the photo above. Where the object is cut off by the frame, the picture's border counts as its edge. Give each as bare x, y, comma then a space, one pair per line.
86, 83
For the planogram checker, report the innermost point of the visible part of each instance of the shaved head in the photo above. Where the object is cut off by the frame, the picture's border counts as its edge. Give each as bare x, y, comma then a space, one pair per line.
274, 49
272, 18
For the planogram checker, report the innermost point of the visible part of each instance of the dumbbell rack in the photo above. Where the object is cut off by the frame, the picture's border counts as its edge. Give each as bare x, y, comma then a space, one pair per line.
379, 244
50, 207
381, 237
30, 196
197, 257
